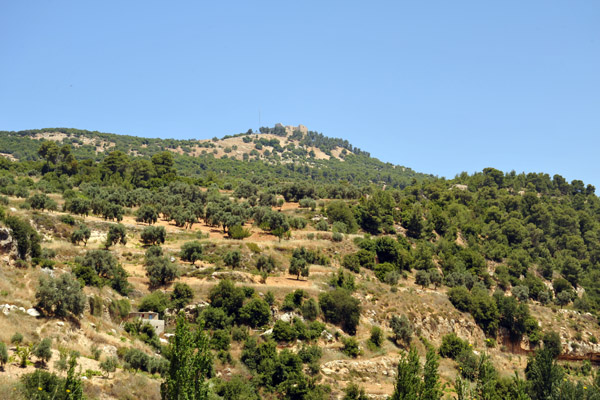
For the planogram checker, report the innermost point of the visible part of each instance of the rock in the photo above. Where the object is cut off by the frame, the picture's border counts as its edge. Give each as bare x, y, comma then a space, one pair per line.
60, 323
267, 332
287, 317
164, 341
110, 350
328, 337
22, 309
33, 312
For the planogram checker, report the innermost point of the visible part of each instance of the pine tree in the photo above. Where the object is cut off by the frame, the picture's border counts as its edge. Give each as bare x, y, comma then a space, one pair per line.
190, 363
431, 378
408, 383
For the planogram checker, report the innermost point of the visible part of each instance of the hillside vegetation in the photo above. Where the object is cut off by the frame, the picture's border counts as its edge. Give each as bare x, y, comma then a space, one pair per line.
288, 265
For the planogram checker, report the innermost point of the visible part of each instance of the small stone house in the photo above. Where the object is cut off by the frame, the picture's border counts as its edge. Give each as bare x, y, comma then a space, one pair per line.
151, 318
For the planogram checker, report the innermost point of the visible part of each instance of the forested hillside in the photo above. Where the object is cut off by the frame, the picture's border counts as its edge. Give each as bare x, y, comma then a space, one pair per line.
288, 265
280, 153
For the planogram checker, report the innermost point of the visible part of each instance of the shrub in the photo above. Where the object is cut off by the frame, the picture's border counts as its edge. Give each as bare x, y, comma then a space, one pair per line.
109, 365
337, 237
422, 278
377, 337
191, 252
284, 332
266, 263
339, 307
3, 355
238, 232
161, 271
351, 348
181, 296
156, 301
402, 328
233, 258
255, 313
17, 338
322, 225
119, 309
28, 240
67, 219
452, 346
460, 297
310, 310
351, 262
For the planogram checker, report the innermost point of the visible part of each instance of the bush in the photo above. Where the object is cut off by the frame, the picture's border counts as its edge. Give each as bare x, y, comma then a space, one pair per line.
99, 267
255, 313
402, 328
42, 385
310, 310
156, 301
351, 348
339, 307
452, 346
67, 219
337, 237
119, 309
460, 297
239, 333
191, 252
266, 263
28, 240
322, 225
233, 258
109, 365
17, 338
377, 337
3, 355
43, 350
284, 332
161, 271
351, 262
181, 296
238, 232
422, 278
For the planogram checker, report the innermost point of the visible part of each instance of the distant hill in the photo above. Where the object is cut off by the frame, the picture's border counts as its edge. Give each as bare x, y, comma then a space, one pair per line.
281, 153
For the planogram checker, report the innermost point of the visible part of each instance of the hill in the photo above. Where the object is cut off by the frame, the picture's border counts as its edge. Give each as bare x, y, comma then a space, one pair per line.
277, 154
483, 286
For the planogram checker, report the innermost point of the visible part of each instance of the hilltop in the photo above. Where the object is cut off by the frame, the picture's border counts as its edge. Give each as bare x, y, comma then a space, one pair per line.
309, 276
281, 153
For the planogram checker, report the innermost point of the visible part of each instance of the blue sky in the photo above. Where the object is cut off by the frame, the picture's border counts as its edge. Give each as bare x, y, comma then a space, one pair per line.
439, 86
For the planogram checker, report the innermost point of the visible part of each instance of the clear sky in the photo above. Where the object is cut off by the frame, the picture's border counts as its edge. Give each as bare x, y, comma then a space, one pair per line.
439, 86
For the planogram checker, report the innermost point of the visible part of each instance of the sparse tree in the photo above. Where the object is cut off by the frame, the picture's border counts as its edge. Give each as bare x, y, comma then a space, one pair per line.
116, 234
191, 252
60, 296
108, 365
43, 350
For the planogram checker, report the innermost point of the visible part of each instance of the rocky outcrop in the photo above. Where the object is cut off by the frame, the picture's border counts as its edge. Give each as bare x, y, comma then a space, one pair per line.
347, 369
434, 327
8, 246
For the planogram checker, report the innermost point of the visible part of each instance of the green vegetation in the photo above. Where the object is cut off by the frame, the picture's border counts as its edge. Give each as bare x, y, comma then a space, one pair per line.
371, 239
